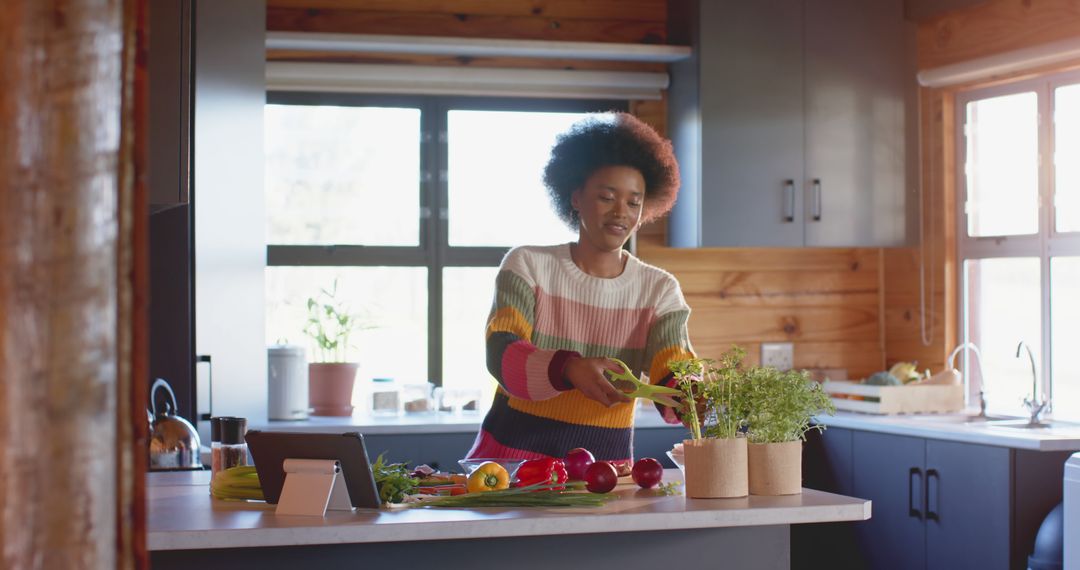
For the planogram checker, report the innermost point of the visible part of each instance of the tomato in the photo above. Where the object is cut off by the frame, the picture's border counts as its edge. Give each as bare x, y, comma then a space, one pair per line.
647, 472
577, 461
601, 477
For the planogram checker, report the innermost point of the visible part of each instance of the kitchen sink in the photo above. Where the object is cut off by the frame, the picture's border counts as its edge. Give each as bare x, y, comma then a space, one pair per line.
1020, 424
961, 418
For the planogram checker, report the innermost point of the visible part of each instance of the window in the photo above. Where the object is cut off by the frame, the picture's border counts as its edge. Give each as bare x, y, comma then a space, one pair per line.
1019, 244
409, 204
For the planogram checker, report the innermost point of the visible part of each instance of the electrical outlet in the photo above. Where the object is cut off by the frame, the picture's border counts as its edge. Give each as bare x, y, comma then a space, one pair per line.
779, 355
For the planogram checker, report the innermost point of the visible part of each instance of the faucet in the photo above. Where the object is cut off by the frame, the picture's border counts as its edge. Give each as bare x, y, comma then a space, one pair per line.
978, 361
1032, 404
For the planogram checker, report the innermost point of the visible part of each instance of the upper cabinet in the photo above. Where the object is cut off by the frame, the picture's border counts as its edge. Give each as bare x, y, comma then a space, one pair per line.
793, 123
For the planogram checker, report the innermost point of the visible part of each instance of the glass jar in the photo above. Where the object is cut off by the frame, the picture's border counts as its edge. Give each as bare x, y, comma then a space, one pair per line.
385, 397
230, 450
417, 399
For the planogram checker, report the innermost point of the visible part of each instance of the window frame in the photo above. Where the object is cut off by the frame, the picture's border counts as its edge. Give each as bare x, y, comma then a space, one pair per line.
433, 251
1046, 243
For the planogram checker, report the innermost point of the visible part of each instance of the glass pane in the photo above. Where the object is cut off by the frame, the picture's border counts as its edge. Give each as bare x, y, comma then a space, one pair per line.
496, 163
342, 175
1003, 299
1066, 149
467, 297
389, 302
1003, 165
1064, 314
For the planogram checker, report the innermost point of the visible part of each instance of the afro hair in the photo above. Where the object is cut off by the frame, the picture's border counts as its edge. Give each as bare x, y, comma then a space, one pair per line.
612, 139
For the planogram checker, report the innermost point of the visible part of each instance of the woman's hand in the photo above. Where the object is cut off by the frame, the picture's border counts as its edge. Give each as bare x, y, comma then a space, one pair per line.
587, 375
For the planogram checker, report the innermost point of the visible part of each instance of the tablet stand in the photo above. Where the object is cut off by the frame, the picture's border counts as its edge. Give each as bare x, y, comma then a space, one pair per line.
311, 487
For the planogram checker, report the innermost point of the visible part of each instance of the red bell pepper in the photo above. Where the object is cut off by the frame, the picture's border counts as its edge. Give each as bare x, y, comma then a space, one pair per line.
549, 471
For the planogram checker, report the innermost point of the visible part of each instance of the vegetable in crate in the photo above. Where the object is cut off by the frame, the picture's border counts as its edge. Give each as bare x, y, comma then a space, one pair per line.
548, 471
489, 476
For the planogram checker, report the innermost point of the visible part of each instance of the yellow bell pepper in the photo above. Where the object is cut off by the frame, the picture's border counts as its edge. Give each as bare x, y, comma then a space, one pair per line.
489, 476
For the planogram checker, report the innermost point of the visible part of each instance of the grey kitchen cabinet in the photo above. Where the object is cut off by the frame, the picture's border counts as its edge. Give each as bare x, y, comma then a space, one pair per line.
935, 504
170, 102
889, 470
792, 123
828, 465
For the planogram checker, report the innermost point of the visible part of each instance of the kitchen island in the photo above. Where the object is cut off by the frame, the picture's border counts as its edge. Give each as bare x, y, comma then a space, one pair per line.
186, 528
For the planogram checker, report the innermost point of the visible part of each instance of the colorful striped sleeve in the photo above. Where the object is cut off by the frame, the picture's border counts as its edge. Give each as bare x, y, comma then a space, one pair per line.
522, 369
668, 340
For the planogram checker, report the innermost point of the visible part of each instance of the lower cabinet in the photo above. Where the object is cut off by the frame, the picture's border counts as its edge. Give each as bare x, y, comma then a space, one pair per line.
935, 504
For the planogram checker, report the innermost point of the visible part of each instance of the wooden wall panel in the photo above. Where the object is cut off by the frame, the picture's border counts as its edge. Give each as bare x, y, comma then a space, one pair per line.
825, 301
994, 27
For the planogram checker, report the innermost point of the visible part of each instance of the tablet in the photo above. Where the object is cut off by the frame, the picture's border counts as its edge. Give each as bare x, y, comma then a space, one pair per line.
270, 449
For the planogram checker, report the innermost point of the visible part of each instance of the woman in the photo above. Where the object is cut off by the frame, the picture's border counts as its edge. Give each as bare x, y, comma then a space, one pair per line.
562, 312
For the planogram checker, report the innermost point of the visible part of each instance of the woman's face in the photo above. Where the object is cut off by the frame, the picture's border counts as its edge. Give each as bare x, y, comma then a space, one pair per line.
609, 206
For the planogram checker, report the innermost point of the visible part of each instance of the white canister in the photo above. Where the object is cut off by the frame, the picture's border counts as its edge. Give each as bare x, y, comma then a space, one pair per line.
287, 383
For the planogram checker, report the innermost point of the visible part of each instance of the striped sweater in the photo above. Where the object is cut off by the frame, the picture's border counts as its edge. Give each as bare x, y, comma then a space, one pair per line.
546, 311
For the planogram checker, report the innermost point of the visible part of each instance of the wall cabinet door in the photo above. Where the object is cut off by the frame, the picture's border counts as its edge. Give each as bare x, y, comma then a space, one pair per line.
857, 86
752, 124
967, 506
791, 122
888, 470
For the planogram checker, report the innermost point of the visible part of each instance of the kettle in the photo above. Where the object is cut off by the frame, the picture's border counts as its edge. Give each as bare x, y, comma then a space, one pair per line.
174, 443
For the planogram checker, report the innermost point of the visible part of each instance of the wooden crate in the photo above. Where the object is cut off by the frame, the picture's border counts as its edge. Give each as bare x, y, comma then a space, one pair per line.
911, 399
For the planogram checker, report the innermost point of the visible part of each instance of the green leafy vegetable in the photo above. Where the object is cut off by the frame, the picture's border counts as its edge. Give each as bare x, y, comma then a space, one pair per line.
393, 480
538, 495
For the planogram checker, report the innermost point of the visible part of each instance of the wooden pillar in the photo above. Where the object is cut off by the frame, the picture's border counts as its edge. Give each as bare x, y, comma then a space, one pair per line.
68, 283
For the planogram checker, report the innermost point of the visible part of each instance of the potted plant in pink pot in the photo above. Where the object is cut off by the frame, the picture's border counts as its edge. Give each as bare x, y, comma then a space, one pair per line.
331, 376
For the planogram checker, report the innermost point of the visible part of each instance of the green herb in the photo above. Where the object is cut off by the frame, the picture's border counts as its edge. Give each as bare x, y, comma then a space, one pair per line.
329, 324
393, 480
783, 405
719, 388
538, 495
671, 488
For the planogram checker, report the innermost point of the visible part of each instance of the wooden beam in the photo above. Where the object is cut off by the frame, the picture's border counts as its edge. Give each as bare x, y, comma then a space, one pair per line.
61, 316
639, 10
995, 27
464, 25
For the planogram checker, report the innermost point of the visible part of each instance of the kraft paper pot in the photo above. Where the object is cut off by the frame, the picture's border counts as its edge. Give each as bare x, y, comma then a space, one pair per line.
330, 387
776, 468
715, 468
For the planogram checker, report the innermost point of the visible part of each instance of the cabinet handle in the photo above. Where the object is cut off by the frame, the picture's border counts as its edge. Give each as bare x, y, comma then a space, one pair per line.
932, 474
914, 511
817, 199
789, 200
205, 359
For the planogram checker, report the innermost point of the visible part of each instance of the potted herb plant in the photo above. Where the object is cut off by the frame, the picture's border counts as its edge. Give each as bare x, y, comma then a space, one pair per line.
782, 405
715, 456
330, 375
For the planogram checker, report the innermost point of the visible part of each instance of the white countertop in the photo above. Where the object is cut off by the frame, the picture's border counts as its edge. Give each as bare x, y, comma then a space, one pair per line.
182, 516
952, 427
